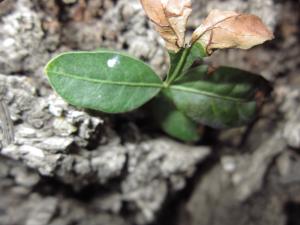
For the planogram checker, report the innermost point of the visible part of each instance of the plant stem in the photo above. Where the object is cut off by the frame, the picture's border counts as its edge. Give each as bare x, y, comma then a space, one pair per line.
179, 66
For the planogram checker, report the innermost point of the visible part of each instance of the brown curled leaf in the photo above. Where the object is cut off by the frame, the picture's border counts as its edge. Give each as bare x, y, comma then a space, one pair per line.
170, 18
227, 29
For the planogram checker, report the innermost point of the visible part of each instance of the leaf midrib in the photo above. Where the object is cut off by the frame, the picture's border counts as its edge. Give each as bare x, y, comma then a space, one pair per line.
205, 93
152, 85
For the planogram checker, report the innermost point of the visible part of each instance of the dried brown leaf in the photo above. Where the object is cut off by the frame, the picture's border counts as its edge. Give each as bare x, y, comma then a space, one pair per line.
227, 29
170, 18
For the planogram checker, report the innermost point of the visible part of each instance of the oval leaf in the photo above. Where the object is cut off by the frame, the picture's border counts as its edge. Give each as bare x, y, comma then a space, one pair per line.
105, 80
174, 122
227, 29
226, 98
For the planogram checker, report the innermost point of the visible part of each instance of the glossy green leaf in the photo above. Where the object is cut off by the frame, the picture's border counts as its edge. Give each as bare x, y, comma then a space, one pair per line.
196, 52
174, 122
104, 80
222, 99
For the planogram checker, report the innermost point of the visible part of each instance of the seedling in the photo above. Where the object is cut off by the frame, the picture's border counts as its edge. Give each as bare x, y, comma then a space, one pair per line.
114, 82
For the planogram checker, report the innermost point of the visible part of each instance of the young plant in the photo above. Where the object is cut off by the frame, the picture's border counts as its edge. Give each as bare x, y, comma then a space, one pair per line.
115, 82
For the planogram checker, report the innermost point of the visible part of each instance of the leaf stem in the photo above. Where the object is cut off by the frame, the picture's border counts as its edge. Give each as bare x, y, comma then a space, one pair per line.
179, 66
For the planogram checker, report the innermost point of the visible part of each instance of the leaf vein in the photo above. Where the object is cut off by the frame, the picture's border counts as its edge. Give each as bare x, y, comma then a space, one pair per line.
205, 93
150, 85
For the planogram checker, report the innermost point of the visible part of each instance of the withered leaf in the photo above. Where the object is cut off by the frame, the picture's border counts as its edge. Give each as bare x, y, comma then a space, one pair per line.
170, 18
227, 29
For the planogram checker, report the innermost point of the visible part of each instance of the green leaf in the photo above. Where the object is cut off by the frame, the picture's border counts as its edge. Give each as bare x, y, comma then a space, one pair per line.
172, 121
196, 52
222, 99
104, 80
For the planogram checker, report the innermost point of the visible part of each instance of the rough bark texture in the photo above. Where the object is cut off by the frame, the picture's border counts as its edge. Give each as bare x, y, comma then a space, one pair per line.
70, 166
82, 150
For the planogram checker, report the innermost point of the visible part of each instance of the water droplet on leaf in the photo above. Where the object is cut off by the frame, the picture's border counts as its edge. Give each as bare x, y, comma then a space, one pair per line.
111, 63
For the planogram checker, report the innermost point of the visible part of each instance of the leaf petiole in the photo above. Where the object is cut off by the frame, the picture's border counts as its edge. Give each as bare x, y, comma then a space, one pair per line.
180, 66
